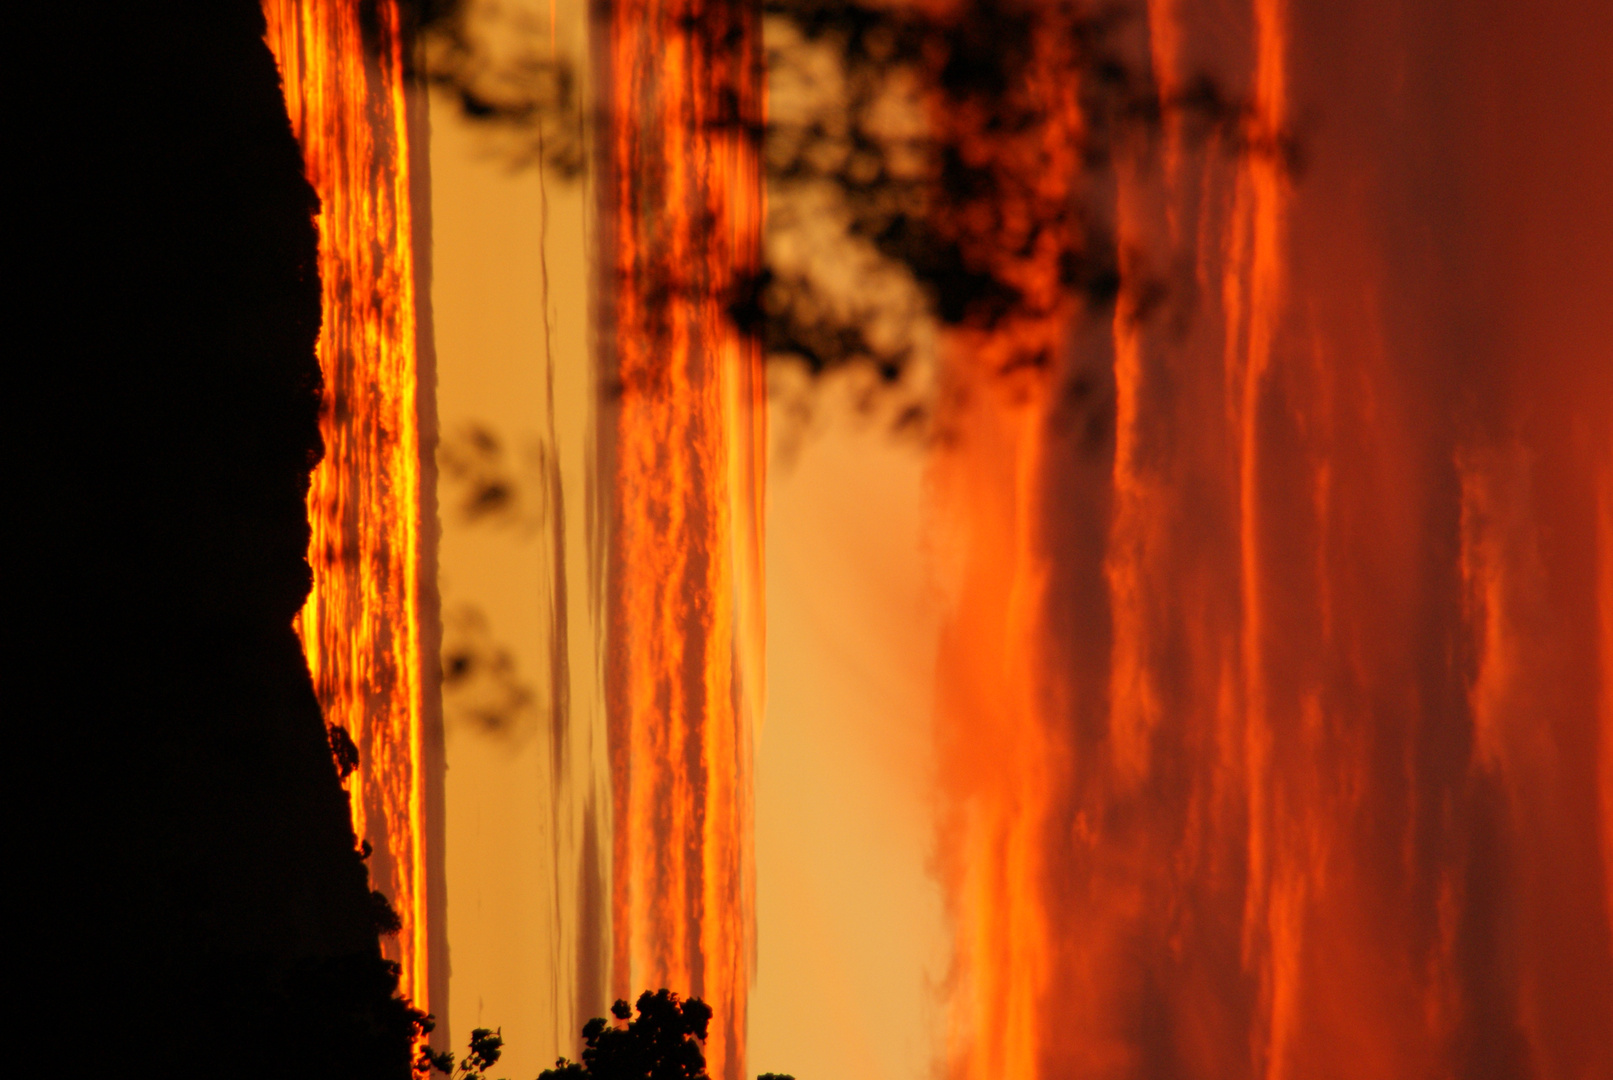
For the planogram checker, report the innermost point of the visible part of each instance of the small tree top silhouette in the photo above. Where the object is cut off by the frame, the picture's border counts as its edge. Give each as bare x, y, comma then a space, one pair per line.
664, 1043
486, 1047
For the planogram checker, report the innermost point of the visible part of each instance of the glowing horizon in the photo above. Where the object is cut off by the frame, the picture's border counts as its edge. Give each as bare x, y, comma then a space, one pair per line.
360, 627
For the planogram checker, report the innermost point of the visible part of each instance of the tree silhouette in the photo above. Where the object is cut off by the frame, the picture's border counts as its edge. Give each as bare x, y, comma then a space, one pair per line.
664, 1043
527, 92
955, 196
485, 1049
343, 750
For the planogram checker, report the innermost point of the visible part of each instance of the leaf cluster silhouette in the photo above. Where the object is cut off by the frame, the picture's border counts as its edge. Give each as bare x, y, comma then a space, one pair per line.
482, 685
662, 1043
665, 1042
485, 1048
530, 93
961, 205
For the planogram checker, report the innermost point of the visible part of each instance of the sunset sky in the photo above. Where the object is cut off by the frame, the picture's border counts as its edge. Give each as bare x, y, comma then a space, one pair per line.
1264, 724
983, 539
848, 916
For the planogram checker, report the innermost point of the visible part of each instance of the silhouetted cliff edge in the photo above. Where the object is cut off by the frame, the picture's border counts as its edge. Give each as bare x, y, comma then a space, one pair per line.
192, 900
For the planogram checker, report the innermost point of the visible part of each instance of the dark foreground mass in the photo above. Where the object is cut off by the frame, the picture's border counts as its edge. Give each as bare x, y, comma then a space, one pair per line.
192, 900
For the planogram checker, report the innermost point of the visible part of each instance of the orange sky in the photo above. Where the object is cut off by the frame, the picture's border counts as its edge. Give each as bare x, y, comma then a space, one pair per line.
847, 659
1272, 730
1297, 693
360, 627
516, 817
849, 916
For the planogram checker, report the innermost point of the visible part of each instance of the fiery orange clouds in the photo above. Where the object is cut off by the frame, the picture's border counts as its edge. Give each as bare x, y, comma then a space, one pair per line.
1275, 682
682, 204
1274, 720
361, 626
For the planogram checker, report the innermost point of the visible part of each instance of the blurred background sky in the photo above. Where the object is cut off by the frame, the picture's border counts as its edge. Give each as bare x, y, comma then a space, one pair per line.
851, 949
1396, 528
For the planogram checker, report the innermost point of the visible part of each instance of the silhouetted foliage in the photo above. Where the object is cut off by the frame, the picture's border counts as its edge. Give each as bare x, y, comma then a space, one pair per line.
351, 1009
342, 749
873, 148
487, 484
386, 919
485, 1047
959, 205
524, 89
490, 484
481, 685
663, 1043
203, 864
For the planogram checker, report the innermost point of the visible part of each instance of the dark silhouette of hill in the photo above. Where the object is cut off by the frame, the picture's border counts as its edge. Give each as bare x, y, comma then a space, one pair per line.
191, 899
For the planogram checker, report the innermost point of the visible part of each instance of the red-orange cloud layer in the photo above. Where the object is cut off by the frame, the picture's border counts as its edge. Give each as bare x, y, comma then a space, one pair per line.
683, 449
1275, 726
361, 626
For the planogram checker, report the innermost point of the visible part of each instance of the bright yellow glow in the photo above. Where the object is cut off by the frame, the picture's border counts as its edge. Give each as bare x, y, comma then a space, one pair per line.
360, 627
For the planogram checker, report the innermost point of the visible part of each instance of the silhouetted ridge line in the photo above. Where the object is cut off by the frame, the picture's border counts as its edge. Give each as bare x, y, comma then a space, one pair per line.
194, 880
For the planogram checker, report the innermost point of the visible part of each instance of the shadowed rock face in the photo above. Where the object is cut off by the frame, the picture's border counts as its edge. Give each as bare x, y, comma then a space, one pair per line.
192, 894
